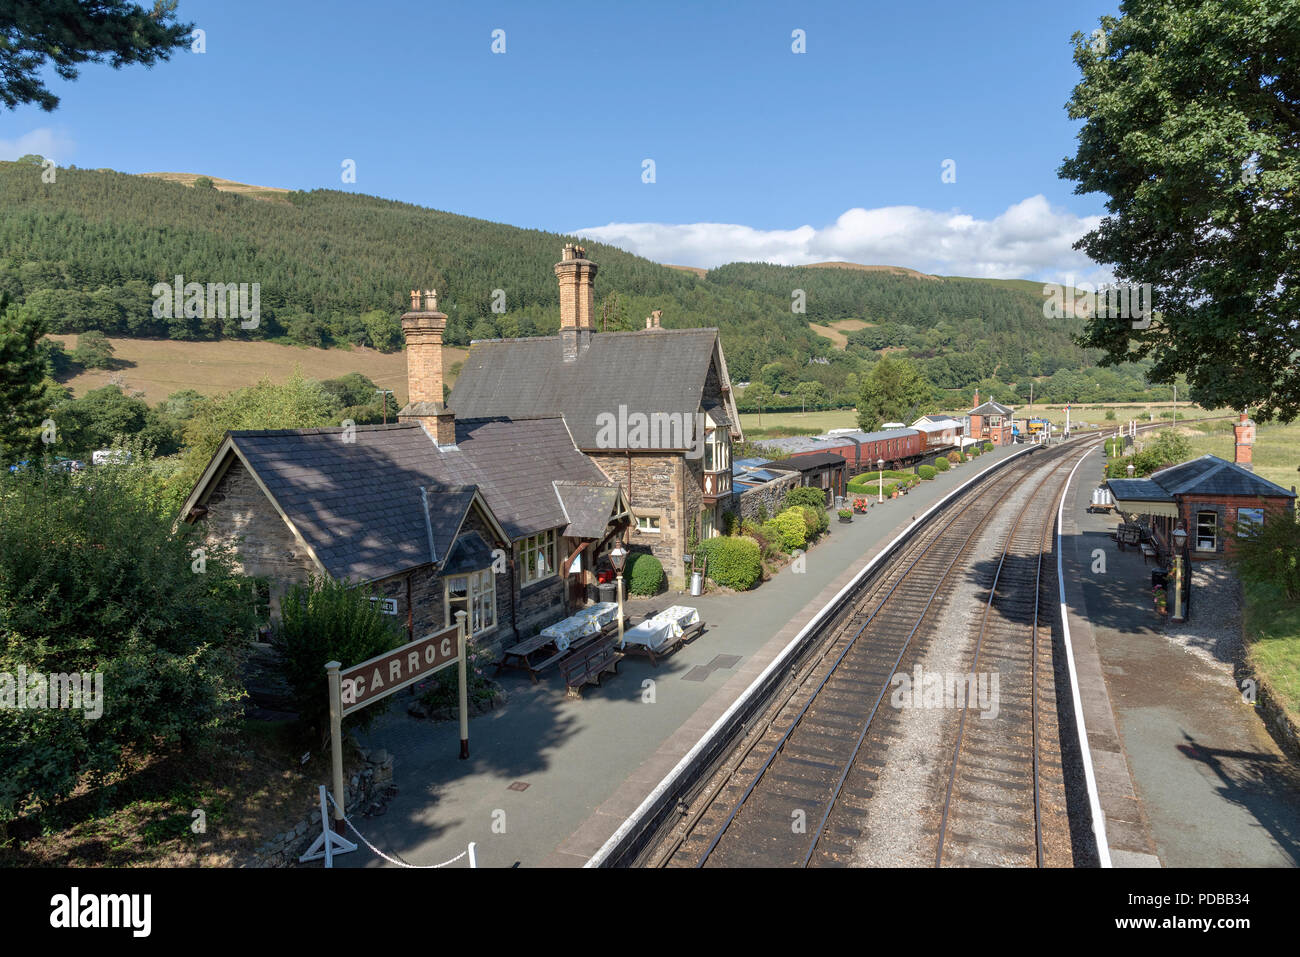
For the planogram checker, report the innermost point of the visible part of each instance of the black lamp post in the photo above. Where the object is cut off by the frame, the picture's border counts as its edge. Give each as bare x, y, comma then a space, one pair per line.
1180, 540
617, 557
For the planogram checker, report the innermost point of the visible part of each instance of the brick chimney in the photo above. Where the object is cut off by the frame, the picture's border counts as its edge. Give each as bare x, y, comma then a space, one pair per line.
577, 275
976, 404
1244, 430
423, 327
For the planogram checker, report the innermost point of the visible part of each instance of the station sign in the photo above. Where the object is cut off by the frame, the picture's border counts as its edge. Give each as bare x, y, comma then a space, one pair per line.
380, 676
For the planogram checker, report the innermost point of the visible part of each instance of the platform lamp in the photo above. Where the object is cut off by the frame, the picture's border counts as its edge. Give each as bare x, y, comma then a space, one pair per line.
1129, 468
617, 557
880, 496
1180, 540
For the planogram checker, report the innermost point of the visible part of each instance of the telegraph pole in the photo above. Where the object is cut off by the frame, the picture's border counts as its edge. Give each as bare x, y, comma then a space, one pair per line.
383, 397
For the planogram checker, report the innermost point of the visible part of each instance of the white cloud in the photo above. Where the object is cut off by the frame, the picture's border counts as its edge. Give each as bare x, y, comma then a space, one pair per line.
48, 142
1029, 240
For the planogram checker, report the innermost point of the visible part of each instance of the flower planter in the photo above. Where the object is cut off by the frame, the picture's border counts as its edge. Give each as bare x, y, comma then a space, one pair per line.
846, 519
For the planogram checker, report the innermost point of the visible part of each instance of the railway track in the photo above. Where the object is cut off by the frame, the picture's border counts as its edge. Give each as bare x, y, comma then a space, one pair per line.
797, 788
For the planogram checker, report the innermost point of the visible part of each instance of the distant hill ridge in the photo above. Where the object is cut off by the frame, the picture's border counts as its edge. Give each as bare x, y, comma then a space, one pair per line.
87, 254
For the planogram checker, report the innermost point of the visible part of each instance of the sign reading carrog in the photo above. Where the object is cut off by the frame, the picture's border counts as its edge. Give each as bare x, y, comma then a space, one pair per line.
379, 677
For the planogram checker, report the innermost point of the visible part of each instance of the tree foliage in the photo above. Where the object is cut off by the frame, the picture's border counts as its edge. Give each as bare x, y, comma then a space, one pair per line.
1191, 117
95, 578
64, 34
893, 391
23, 390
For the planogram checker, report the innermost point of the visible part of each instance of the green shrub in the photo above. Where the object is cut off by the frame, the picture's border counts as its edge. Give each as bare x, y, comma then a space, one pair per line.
1270, 553
845, 513
988, 446
443, 689
734, 562
814, 497
95, 578
927, 472
792, 528
326, 620
730, 523
644, 573
942, 464
954, 457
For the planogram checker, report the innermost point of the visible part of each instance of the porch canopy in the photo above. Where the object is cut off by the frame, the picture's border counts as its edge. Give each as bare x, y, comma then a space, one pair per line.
1142, 497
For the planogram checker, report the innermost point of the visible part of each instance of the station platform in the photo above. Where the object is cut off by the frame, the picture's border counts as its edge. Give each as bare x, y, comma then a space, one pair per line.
550, 779
1187, 774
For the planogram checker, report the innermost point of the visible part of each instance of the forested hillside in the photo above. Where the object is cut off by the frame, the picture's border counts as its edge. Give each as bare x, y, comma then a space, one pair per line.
334, 268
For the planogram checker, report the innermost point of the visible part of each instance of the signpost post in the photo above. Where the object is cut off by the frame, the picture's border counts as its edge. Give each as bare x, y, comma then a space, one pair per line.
376, 678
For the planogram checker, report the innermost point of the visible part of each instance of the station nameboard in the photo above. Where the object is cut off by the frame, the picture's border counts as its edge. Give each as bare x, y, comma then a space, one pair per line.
380, 676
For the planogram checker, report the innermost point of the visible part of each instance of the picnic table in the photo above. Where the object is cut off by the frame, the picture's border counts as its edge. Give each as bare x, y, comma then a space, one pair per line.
555, 641
662, 632
588, 621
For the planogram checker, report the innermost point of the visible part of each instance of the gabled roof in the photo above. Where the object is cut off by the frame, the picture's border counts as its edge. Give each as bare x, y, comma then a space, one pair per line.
991, 408
359, 506
648, 371
590, 507
469, 553
862, 438
1211, 475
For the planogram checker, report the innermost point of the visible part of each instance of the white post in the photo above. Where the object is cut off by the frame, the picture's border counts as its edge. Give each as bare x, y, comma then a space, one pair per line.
620, 605
462, 638
336, 739
473, 857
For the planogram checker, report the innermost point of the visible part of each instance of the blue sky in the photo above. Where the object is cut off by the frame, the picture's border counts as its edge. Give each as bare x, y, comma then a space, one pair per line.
759, 152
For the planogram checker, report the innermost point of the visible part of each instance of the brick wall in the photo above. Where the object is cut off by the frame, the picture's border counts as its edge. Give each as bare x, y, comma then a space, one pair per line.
1225, 509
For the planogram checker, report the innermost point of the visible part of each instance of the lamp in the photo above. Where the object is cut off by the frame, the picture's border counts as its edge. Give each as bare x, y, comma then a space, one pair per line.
880, 494
1129, 468
617, 556
1180, 540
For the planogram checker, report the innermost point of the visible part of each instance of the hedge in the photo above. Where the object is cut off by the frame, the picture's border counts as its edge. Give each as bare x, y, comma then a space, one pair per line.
792, 528
734, 562
942, 464
927, 472
645, 574
988, 446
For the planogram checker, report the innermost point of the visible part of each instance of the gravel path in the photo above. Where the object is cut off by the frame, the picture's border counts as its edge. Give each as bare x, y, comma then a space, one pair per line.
1213, 629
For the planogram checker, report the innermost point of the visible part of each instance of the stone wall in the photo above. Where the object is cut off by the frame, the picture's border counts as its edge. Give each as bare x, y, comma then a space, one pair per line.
240, 513
656, 488
770, 494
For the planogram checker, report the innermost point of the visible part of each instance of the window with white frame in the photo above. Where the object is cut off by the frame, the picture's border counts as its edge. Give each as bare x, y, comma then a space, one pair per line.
476, 595
1207, 524
707, 529
648, 524
1248, 519
717, 450
536, 558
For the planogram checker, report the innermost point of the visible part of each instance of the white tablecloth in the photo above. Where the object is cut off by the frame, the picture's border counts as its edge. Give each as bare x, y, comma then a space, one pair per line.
663, 628
585, 622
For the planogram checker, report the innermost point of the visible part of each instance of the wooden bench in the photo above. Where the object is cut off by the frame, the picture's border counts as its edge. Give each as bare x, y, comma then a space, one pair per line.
519, 656
1128, 534
586, 665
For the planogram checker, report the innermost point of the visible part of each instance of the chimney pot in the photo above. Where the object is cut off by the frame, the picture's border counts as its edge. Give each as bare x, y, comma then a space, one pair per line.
423, 328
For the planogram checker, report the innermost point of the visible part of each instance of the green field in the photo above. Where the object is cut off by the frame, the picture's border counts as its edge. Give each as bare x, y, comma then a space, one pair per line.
1276, 453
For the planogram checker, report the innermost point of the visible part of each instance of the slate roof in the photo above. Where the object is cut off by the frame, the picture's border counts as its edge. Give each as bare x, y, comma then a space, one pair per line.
445, 507
1211, 475
358, 504
588, 506
991, 408
1138, 490
652, 370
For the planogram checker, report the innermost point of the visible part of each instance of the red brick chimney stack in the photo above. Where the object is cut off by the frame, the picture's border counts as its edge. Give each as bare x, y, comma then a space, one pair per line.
1244, 430
577, 275
422, 328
